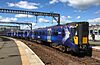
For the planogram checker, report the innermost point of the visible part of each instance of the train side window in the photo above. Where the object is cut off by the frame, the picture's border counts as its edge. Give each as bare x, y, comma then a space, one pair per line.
49, 32
43, 33
40, 33
63, 32
99, 32
96, 33
37, 32
34, 33
73, 30
91, 31
55, 32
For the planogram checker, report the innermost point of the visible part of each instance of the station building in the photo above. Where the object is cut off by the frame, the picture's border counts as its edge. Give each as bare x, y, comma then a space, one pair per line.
96, 30
5, 29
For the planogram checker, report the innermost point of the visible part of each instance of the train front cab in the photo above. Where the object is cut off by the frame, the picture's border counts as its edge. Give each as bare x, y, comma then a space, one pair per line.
80, 38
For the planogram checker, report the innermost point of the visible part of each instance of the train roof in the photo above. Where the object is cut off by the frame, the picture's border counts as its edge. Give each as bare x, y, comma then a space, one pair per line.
72, 23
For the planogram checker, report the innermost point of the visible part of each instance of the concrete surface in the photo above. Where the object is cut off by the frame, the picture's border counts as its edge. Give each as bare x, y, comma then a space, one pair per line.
95, 45
28, 57
9, 53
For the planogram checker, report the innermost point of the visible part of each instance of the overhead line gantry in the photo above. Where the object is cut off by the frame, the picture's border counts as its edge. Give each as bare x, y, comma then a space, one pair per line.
56, 16
29, 24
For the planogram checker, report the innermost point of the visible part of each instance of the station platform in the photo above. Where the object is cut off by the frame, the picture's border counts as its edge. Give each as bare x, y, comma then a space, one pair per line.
16, 52
97, 48
95, 45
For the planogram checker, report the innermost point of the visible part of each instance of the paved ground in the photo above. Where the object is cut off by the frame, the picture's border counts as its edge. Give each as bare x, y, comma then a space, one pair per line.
9, 54
95, 43
15, 52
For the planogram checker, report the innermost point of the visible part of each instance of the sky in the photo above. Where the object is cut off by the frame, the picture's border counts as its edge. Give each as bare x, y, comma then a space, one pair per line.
70, 11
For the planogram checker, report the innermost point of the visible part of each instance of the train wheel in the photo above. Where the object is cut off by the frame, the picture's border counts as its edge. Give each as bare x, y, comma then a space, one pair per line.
53, 45
89, 53
62, 48
68, 49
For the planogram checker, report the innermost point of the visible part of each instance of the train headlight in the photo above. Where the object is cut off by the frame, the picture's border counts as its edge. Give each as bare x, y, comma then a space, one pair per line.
76, 40
85, 40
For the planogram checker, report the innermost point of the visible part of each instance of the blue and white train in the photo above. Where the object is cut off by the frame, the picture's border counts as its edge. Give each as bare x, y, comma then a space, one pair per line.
70, 37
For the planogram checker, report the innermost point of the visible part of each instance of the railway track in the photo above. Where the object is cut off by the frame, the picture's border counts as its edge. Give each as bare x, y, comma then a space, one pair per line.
51, 56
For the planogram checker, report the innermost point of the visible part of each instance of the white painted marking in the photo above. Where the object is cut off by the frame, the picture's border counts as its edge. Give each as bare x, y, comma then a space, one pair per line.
38, 36
96, 48
59, 32
66, 35
49, 38
32, 36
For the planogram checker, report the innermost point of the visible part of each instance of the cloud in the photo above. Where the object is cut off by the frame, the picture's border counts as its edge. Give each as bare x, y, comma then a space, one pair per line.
78, 4
25, 27
79, 11
94, 21
35, 27
78, 17
53, 1
43, 20
7, 19
23, 16
56, 1
64, 19
28, 27
33, 24
69, 17
0, 17
63, 1
24, 4
97, 12
83, 4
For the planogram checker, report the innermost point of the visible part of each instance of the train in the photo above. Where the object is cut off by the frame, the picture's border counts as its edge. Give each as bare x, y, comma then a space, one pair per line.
67, 37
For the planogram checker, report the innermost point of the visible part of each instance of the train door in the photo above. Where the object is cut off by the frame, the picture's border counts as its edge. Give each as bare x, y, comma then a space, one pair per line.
80, 33
66, 33
83, 32
74, 37
49, 35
